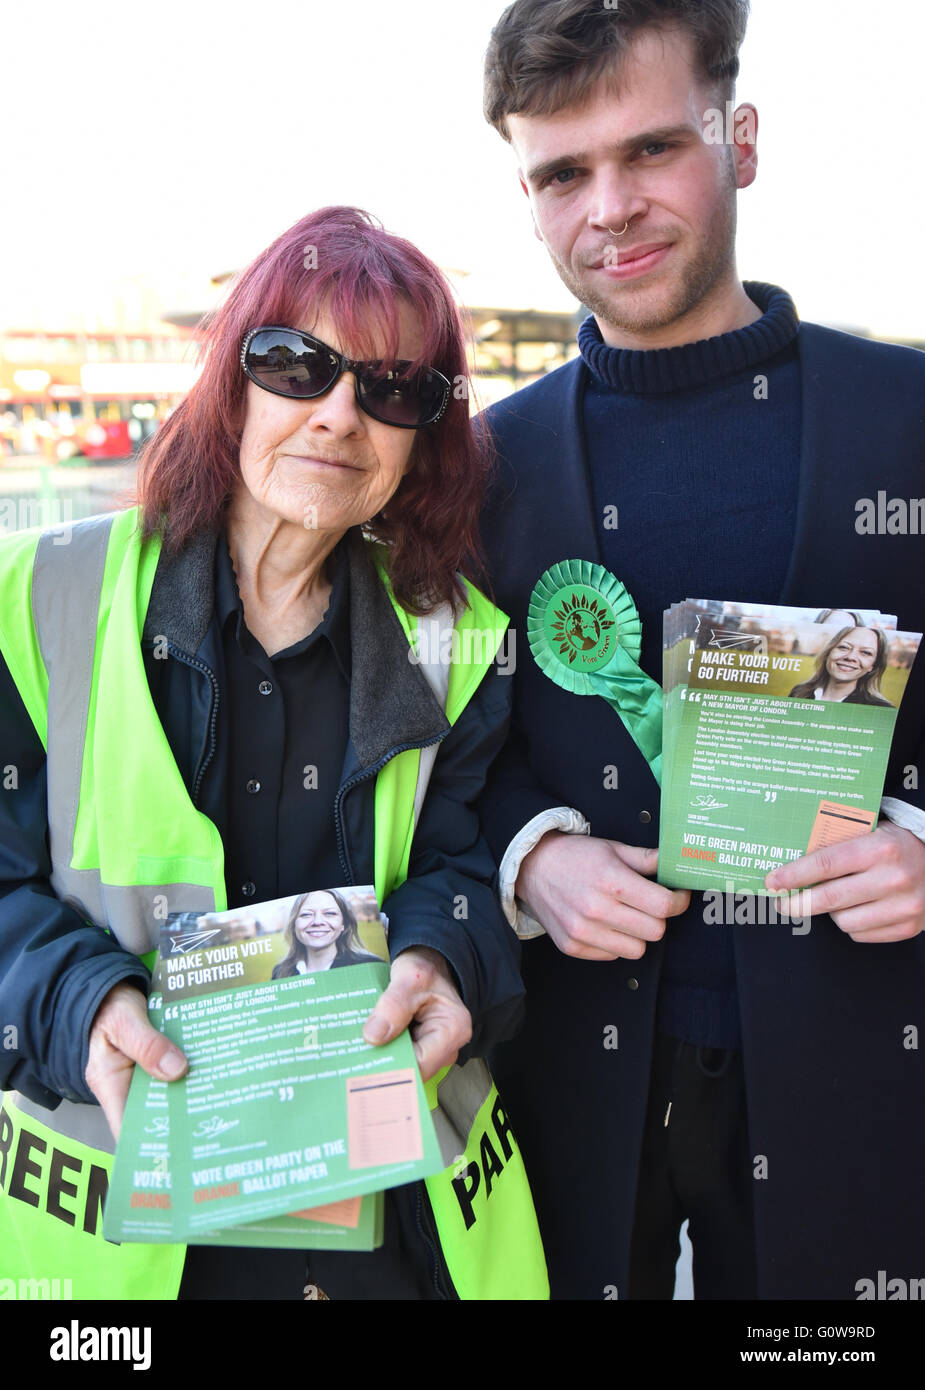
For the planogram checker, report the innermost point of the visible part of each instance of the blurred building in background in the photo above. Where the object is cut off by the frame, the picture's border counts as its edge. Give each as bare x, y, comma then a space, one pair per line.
514, 336
513, 339
81, 390
92, 383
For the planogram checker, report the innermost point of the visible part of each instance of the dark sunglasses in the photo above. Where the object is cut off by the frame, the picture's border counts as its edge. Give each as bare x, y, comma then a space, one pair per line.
301, 367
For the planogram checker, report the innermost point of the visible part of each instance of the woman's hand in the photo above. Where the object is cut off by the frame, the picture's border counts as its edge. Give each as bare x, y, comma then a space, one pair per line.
421, 988
121, 1036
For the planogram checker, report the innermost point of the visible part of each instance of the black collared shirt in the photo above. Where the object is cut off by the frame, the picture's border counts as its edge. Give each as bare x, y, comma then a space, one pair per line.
285, 718
284, 722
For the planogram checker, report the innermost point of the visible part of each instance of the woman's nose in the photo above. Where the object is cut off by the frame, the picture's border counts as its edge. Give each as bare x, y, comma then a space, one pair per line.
338, 409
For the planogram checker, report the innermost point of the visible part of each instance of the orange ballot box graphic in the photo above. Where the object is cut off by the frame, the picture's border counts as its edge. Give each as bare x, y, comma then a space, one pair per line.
835, 823
383, 1121
344, 1213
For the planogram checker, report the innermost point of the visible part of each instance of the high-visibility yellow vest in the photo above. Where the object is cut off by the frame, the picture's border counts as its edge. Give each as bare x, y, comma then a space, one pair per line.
124, 837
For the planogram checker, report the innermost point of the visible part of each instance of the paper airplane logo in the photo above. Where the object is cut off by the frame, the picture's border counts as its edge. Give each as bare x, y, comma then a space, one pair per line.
192, 941
745, 641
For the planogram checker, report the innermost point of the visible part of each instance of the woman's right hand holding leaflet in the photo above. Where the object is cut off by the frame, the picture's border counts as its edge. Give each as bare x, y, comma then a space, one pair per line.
121, 1035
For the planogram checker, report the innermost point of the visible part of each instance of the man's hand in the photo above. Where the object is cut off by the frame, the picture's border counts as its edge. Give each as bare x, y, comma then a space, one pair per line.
594, 897
121, 1036
873, 887
421, 989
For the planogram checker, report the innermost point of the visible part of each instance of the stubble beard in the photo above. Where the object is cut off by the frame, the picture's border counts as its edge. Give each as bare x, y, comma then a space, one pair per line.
629, 309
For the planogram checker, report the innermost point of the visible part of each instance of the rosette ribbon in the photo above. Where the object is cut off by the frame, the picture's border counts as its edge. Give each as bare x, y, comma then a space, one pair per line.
585, 635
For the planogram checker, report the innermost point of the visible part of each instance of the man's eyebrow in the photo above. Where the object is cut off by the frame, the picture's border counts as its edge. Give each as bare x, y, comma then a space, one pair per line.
544, 170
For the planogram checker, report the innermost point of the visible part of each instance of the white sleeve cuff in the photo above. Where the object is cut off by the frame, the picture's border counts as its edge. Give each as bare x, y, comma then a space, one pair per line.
905, 816
561, 818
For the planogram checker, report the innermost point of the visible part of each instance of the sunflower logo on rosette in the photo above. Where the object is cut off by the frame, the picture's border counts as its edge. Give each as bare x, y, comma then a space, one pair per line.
579, 618
584, 627
585, 635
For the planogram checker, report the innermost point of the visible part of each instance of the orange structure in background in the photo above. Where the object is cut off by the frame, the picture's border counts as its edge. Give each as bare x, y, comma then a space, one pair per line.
92, 393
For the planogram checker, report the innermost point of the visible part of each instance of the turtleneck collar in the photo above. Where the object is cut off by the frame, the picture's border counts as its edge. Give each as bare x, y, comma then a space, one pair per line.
659, 371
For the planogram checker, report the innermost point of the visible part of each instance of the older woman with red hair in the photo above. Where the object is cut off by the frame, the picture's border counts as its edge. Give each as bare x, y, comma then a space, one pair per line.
271, 609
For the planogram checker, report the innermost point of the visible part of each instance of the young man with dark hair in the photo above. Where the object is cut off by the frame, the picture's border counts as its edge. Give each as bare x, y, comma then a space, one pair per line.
757, 1080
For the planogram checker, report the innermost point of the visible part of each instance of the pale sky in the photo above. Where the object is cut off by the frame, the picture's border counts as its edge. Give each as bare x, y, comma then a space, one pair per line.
178, 139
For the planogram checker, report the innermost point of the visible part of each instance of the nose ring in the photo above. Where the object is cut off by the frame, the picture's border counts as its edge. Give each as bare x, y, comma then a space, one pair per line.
618, 234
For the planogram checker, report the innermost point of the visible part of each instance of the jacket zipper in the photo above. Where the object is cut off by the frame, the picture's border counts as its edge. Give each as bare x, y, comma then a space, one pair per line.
213, 717
362, 776
439, 1272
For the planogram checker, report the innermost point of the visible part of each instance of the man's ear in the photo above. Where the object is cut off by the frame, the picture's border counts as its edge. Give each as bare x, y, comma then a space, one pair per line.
523, 183
745, 144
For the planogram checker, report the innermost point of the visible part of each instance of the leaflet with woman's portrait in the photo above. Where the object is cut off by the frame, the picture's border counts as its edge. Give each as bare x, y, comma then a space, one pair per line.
777, 730
287, 1120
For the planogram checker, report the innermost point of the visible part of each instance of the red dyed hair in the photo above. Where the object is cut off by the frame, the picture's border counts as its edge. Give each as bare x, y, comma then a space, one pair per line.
190, 466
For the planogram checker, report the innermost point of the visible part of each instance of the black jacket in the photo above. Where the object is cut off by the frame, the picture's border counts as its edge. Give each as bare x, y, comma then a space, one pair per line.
55, 968
834, 1090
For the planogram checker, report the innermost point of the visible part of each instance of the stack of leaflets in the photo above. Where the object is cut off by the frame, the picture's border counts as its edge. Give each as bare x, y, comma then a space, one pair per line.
777, 730
288, 1125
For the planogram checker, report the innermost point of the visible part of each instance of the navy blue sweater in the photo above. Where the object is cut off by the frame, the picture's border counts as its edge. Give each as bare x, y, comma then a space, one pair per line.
698, 449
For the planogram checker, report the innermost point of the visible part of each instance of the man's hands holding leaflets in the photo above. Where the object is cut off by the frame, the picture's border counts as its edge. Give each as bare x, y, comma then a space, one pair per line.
873, 887
595, 898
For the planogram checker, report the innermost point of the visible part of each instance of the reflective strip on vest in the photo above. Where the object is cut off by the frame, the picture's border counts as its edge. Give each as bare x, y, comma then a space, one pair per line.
61, 607
437, 675
119, 868
472, 1129
478, 631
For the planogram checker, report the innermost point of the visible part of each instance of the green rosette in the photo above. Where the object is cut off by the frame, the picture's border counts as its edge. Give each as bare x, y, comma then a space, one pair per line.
585, 634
